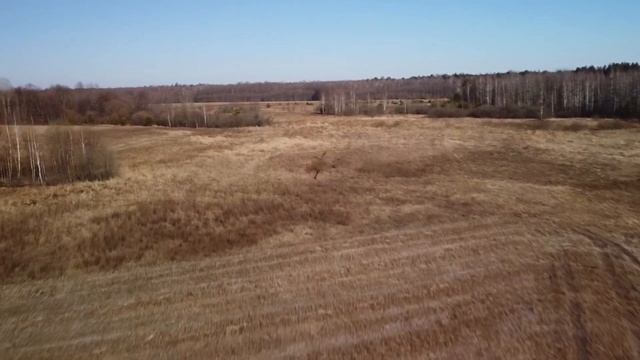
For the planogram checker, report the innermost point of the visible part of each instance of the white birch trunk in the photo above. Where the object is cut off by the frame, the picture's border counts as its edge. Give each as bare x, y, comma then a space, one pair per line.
204, 115
18, 160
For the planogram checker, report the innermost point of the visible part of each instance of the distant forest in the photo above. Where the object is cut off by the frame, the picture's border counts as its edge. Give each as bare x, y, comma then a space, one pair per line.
607, 91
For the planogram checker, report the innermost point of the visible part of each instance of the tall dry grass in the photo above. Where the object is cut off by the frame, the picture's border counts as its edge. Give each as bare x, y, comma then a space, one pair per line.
30, 155
370, 180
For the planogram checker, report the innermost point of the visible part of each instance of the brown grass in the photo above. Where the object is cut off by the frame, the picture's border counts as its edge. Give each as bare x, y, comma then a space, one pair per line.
429, 239
194, 224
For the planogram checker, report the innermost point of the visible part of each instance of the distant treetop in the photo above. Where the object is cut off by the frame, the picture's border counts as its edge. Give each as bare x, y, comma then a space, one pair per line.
613, 67
5, 84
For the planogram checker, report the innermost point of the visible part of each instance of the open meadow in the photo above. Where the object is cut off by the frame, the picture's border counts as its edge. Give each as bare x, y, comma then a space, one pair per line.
324, 236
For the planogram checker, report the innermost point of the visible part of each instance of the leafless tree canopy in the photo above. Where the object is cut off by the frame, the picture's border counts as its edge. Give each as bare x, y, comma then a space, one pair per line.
611, 91
54, 155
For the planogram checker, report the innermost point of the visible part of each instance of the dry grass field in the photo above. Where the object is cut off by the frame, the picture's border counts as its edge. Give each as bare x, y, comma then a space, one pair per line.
419, 238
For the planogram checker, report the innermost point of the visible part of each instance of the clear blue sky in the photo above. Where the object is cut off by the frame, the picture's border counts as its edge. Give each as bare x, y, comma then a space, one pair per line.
122, 43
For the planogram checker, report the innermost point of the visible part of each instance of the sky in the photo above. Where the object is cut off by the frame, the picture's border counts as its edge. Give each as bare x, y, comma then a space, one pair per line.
153, 42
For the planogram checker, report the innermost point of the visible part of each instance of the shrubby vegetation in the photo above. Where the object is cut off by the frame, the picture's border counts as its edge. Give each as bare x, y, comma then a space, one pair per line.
52, 155
60, 105
188, 115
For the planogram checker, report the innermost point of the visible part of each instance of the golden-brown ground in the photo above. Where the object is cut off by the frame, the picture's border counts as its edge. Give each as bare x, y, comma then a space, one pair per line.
419, 239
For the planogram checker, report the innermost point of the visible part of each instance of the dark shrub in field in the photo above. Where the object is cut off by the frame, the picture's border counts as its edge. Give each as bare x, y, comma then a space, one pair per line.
228, 117
143, 118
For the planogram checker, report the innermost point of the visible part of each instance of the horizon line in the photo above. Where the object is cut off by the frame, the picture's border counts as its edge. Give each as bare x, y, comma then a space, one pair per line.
95, 86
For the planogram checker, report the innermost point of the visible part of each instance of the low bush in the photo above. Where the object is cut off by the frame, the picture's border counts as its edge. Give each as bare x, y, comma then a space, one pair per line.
371, 109
142, 118
228, 117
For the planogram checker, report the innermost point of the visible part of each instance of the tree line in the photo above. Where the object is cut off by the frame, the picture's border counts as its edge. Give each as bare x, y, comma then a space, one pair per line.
134, 106
608, 91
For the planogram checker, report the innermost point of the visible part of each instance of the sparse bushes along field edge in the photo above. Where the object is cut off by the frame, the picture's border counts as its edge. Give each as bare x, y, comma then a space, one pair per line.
29, 107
